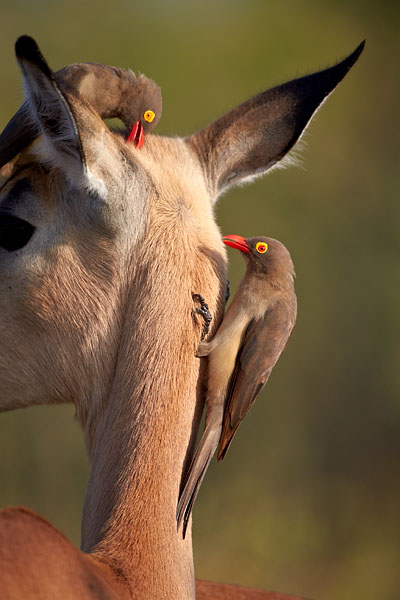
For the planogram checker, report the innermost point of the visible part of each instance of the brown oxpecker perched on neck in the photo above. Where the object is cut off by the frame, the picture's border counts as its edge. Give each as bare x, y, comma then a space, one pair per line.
242, 354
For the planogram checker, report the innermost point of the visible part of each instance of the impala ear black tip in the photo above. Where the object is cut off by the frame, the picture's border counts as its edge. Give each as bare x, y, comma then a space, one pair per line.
27, 49
354, 55
343, 67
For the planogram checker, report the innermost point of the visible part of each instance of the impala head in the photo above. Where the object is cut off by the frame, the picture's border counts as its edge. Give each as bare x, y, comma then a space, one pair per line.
70, 205
81, 210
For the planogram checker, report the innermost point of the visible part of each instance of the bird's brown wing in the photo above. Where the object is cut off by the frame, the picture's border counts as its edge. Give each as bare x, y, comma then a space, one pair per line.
263, 343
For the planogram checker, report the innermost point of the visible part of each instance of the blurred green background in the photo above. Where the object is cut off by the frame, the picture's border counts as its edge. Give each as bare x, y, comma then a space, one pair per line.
308, 499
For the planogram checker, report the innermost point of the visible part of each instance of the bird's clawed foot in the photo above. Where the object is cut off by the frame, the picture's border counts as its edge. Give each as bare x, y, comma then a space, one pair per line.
227, 290
204, 311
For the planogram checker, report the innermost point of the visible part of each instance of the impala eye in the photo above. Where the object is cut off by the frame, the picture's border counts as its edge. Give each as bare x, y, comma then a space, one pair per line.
14, 233
149, 116
261, 247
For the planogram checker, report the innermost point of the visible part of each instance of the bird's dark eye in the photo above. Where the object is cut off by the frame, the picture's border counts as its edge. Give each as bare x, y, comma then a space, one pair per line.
14, 233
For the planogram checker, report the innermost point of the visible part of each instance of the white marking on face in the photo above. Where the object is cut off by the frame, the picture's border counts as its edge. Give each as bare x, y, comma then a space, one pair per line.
96, 184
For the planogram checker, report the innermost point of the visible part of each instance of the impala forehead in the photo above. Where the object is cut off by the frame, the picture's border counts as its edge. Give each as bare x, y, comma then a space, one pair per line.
14, 172
14, 192
24, 193
38, 197
175, 171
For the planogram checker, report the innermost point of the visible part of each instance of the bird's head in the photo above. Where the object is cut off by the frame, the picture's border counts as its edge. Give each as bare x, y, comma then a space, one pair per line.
263, 254
145, 109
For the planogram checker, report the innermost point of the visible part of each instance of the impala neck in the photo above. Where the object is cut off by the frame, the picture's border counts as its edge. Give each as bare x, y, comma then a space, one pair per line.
138, 443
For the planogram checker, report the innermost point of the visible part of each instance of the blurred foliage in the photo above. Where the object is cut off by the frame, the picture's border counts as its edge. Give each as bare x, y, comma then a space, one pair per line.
308, 498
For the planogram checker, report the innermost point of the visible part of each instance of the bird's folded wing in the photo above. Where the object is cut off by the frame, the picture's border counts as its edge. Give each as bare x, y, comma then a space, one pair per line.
263, 343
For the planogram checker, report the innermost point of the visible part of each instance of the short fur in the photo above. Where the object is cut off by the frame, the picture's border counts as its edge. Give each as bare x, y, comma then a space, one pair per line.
112, 92
97, 309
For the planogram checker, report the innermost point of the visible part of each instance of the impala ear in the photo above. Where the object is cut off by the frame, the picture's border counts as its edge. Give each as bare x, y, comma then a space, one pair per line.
256, 135
60, 117
48, 106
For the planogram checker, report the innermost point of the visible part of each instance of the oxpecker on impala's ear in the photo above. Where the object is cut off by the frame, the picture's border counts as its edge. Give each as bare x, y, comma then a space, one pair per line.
112, 92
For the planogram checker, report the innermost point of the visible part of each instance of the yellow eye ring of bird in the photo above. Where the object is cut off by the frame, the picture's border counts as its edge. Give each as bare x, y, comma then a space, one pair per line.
261, 247
149, 116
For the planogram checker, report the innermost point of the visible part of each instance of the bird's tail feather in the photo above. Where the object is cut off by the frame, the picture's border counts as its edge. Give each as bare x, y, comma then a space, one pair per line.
223, 448
196, 473
226, 438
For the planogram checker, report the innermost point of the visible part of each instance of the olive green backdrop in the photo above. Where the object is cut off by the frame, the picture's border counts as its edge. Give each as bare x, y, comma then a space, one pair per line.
308, 499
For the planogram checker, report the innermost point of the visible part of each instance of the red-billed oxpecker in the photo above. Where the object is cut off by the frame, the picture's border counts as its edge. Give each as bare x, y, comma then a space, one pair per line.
112, 92
242, 354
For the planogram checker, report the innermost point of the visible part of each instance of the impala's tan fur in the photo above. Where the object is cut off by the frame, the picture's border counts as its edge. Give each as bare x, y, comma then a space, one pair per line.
147, 422
97, 309
38, 562
104, 320
116, 370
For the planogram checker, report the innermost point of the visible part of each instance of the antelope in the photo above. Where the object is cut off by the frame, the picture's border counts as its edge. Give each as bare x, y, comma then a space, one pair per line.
104, 249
